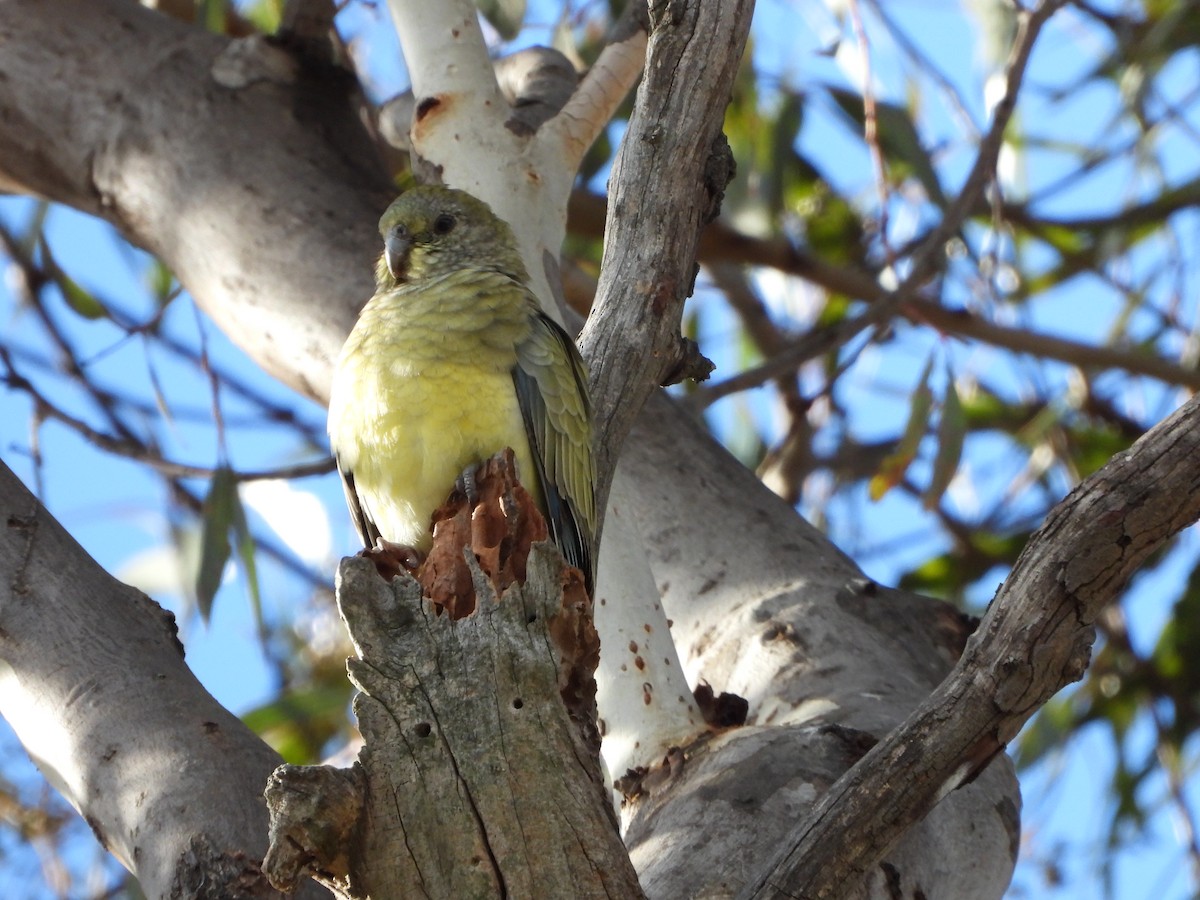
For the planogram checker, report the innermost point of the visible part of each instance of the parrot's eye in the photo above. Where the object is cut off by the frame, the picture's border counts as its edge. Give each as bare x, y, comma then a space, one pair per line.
444, 223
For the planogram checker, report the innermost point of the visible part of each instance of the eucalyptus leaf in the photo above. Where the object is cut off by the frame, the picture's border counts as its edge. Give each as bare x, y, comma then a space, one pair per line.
506, 16
219, 510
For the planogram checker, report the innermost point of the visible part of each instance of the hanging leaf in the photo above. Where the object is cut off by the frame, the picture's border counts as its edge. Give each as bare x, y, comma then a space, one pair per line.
78, 298
952, 427
265, 14
219, 510
506, 16
298, 724
245, 547
213, 15
898, 139
895, 464
162, 282
33, 231
160, 396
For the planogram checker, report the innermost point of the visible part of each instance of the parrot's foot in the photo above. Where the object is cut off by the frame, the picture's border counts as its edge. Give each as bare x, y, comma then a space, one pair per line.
467, 483
391, 559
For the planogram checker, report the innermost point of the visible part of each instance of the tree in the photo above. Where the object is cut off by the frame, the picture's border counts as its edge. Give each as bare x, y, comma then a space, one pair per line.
244, 164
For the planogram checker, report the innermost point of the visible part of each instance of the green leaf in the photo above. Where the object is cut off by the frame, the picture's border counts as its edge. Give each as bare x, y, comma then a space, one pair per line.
299, 723
1178, 646
219, 510
1065, 241
245, 547
836, 309
951, 429
78, 298
1049, 730
506, 16
895, 464
160, 396
162, 283
1092, 447
265, 14
82, 301
212, 14
32, 236
898, 139
984, 410
1036, 429
937, 577
832, 227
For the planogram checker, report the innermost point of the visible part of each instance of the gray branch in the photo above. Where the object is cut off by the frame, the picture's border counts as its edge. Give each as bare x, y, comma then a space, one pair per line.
103, 701
242, 165
667, 183
1035, 640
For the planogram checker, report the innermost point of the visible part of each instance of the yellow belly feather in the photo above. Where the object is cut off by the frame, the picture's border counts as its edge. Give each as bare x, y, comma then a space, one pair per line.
406, 437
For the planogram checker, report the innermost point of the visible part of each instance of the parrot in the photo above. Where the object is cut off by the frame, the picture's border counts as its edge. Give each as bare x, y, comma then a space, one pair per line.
451, 361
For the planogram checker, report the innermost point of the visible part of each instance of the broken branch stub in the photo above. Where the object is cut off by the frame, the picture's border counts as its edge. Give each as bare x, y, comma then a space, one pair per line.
479, 775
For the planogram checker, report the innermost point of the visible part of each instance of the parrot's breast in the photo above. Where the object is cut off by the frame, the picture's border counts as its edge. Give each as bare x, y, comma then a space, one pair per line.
407, 432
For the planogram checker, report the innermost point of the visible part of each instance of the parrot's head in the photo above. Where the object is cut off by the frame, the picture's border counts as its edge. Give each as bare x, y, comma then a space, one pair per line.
430, 231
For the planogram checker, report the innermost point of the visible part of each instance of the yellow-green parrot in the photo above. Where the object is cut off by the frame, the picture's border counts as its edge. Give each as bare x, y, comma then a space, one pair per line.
451, 361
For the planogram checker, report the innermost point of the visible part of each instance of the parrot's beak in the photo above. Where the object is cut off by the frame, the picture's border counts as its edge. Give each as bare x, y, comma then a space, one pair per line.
396, 247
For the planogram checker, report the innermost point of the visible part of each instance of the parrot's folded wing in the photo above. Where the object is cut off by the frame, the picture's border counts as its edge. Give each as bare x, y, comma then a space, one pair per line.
552, 391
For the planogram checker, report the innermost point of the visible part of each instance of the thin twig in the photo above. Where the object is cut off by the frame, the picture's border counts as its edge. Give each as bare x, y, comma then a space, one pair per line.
926, 261
927, 66
871, 132
135, 450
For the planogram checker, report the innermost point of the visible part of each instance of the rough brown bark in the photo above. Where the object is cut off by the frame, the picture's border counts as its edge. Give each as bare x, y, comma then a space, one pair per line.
675, 143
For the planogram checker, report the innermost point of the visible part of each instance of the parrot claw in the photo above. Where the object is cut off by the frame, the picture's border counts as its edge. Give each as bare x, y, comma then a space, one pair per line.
467, 484
391, 559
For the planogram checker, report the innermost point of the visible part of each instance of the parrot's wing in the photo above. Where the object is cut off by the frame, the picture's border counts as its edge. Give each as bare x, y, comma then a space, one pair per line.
552, 391
362, 522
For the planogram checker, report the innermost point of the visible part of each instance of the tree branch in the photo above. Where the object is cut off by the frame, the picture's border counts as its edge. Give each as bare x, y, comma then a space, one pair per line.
957, 322
828, 660
303, 188
324, 275
479, 775
452, 78
667, 182
92, 680
1088, 357
1035, 639
443, 47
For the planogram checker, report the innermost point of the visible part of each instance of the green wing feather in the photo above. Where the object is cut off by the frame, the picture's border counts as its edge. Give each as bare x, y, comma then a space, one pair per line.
551, 385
